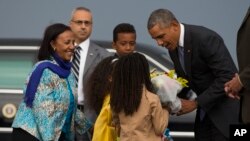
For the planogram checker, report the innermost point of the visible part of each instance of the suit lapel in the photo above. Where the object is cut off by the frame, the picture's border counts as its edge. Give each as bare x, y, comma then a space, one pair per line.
187, 51
187, 56
90, 57
174, 56
245, 18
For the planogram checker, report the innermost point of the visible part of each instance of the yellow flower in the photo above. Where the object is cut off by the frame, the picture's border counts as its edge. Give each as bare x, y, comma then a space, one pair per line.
170, 74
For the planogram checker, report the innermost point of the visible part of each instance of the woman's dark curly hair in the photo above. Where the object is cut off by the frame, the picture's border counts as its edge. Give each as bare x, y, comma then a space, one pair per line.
130, 75
99, 83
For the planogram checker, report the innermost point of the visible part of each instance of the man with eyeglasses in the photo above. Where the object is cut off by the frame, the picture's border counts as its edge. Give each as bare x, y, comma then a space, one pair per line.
87, 55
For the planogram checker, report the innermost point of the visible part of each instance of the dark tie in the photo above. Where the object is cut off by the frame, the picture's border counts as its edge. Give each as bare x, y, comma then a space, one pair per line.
76, 62
202, 114
181, 57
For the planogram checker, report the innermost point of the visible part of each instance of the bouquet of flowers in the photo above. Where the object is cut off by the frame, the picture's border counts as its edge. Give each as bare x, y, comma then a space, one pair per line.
167, 86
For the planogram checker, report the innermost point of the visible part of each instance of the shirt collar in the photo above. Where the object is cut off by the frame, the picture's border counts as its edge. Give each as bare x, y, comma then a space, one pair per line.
181, 40
84, 44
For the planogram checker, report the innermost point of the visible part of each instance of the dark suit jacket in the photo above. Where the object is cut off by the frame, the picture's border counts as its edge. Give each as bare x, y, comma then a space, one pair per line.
94, 56
243, 50
209, 66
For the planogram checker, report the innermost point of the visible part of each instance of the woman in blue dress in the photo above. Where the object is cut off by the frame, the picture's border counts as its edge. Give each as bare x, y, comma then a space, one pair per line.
48, 110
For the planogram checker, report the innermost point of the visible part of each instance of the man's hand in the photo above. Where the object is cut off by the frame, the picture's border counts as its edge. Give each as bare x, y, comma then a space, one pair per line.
233, 87
187, 106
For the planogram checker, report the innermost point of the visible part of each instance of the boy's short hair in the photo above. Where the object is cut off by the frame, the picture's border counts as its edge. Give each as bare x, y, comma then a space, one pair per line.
123, 28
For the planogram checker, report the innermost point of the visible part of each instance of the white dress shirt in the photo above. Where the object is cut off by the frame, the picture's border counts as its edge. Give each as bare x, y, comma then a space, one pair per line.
84, 51
182, 32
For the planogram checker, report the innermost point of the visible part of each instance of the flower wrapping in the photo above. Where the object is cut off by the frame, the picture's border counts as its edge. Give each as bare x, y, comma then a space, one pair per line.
167, 87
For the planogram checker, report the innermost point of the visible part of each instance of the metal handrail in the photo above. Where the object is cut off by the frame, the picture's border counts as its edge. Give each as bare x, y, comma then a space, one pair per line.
182, 134
179, 134
5, 130
19, 48
11, 91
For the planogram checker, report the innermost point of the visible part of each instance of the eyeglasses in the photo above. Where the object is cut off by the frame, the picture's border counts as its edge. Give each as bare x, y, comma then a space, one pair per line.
80, 22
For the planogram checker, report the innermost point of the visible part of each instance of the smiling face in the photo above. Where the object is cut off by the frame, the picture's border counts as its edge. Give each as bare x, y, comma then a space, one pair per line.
167, 37
125, 43
64, 45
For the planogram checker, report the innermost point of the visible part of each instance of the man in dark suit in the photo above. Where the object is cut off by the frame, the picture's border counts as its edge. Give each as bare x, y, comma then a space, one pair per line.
88, 56
239, 86
200, 56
